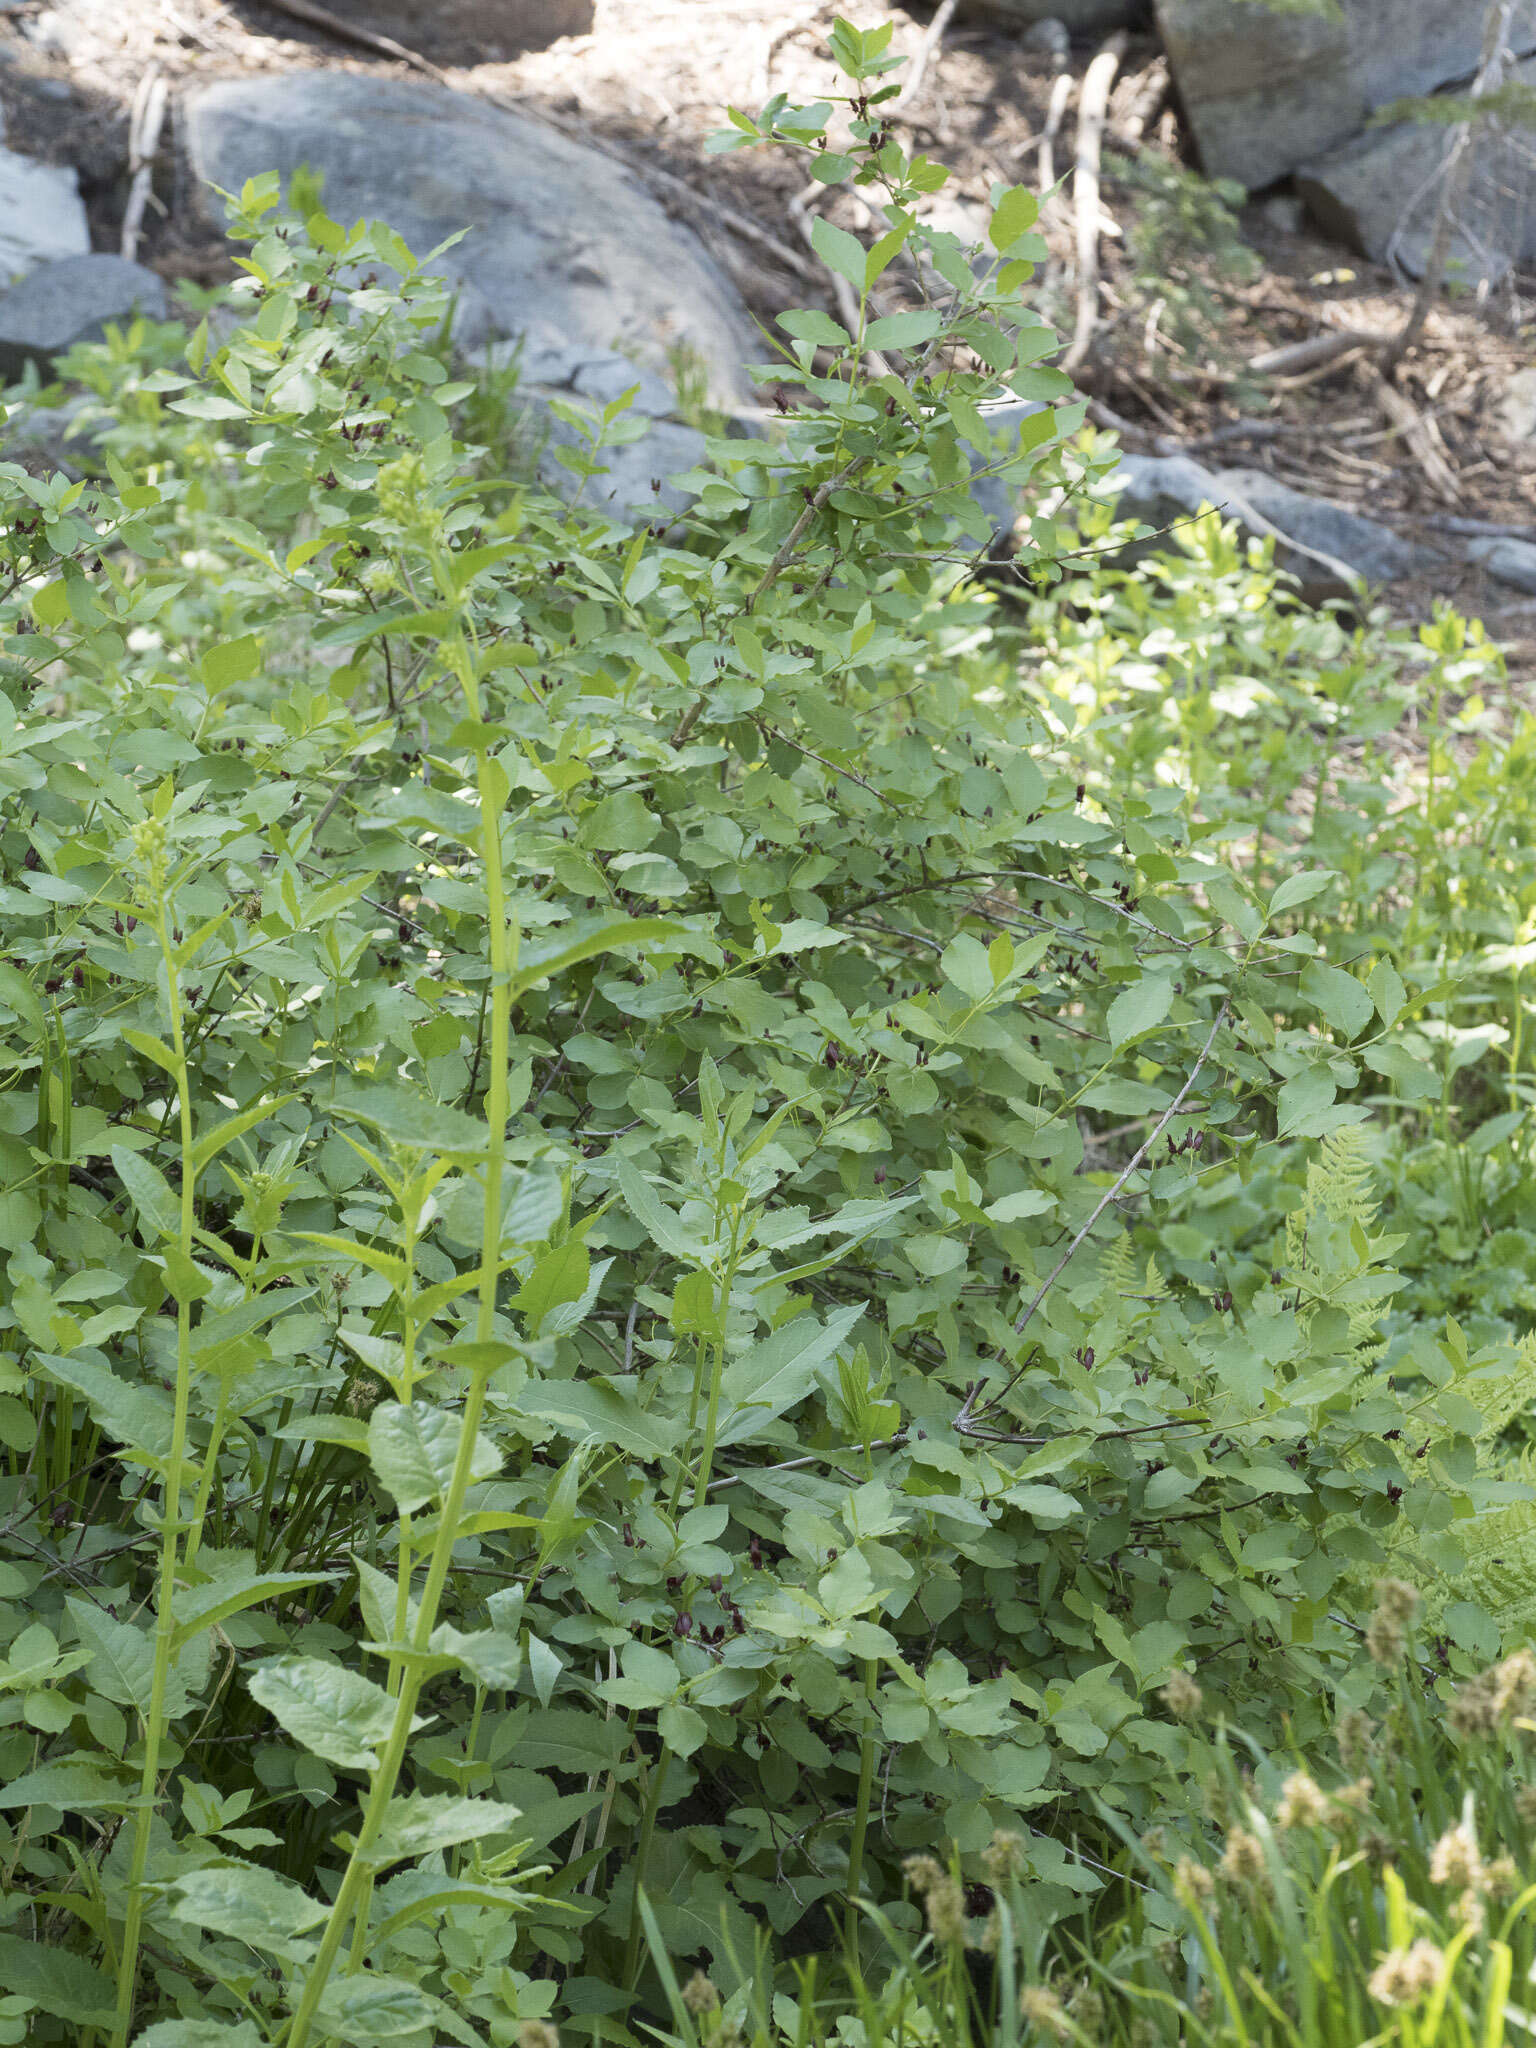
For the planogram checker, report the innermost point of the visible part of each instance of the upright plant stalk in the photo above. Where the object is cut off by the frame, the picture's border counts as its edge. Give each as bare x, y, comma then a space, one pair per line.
151, 840
356, 1878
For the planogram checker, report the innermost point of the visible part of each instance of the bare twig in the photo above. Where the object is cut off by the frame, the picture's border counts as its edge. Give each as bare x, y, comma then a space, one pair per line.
1419, 435
1055, 114
145, 124
933, 35
1092, 108
1314, 353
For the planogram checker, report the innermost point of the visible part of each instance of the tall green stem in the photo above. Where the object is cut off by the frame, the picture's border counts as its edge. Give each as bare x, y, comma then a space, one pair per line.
170, 1520
356, 1878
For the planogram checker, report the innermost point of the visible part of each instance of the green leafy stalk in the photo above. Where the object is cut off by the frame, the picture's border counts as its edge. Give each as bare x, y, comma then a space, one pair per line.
356, 1879
151, 841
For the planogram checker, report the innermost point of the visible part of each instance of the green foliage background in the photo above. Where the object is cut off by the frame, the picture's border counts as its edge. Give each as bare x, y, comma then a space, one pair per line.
681, 1205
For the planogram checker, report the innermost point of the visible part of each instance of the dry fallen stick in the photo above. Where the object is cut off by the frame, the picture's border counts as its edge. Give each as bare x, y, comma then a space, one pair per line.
1055, 114
1092, 108
1417, 433
932, 37
145, 124
1316, 352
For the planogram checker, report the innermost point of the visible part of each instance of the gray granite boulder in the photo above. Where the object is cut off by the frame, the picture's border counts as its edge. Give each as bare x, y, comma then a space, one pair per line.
1511, 561
561, 238
634, 484
1078, 17
1266, 90
1330, 549
1381, 193
42, 216
58, 304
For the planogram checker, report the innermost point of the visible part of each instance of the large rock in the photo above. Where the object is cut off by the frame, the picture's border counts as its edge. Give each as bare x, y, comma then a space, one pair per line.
634, 483
1382, 193
1327, 547
1511, 561
562, 239
59, 304
458, 31
1078, 17
42, 216
1265, 91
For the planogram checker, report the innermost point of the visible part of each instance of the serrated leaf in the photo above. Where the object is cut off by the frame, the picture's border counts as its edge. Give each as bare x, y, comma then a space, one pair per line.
251, 1904
334, 1713
412, 1451
57, 1981
374, 2007
74, 1787
423, 1822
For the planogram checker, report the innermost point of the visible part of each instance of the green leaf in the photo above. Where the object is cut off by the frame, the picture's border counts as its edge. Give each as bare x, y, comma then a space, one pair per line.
607, 1412
1139, 1008
559, 1276
839, 250
1345, 1002
242, 1585
212, 1143
412, 1451
235, 661
74, 1787
250, 1904
55, 1980
423, 1823
159, 1209
333, 1712
122, 1658
199, 2034
1014, 215
586, 940
374, 2007
904, 330
1300, 888
780, 1372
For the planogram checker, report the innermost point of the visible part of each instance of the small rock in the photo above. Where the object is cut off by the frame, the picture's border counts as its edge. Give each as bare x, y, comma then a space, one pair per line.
1050, 37
1511, 561
59, 304
42, 216
1327, 547
1516, 409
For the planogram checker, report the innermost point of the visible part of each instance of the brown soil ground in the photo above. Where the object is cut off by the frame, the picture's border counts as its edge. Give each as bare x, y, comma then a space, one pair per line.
653, 78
